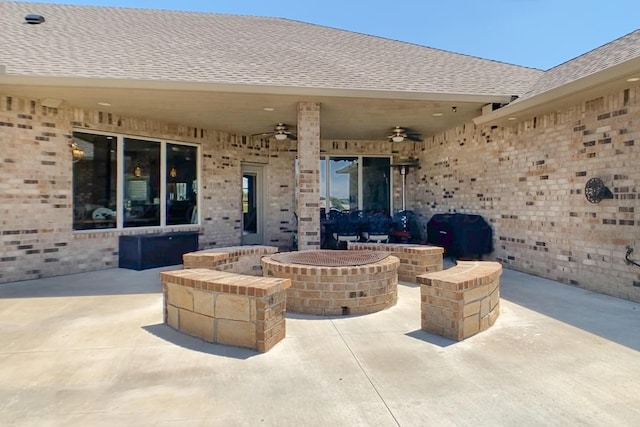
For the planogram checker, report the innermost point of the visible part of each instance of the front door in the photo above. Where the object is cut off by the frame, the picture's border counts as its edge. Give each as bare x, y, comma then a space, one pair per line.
252, 208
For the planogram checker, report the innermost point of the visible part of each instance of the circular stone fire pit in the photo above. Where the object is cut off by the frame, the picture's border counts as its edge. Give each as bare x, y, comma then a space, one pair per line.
335, 283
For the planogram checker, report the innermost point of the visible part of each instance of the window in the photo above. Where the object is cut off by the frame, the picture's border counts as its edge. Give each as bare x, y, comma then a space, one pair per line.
355, 183
95, 182
129, 182
142, 183
182, 184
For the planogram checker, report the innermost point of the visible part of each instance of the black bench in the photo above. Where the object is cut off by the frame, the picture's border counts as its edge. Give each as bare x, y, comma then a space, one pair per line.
143, 251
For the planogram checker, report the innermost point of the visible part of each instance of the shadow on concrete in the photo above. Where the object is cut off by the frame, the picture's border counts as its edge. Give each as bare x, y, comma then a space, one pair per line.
421, 335
611, 318
170, 335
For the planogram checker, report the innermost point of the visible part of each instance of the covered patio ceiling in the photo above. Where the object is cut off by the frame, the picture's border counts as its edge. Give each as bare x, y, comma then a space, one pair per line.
247, 110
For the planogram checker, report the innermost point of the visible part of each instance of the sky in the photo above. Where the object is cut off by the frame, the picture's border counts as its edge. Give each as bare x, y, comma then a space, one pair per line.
533, 33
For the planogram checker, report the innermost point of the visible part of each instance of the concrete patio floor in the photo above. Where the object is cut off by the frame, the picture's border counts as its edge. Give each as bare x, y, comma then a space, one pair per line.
91, 349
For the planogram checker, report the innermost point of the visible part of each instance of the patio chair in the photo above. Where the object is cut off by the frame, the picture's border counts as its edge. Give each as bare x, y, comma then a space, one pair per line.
378, 228
345, 230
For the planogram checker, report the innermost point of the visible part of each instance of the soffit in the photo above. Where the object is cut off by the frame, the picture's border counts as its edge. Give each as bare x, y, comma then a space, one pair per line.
350, 116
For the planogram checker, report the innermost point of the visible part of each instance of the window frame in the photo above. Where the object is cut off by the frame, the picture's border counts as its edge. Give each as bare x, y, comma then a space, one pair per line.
120, 182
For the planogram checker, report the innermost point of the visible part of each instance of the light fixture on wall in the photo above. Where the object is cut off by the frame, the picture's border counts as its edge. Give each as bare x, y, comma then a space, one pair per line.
137, 171
173, 172
77, 153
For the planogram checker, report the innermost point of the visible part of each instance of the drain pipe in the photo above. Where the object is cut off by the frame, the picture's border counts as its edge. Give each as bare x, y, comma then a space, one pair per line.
629, 260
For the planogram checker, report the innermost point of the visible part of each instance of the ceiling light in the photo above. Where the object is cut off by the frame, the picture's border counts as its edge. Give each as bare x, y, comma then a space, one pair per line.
512, 118
281, 136
104, 104
268, 108
633, 79
397, 138
437, 114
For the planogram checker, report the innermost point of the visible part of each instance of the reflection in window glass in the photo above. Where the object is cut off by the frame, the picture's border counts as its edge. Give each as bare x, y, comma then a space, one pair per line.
142, 183
181, 184
375, 184
343, 183
94, 182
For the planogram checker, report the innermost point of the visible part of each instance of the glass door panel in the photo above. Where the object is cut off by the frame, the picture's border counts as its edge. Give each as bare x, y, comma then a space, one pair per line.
375, 185
252, 211
343, 183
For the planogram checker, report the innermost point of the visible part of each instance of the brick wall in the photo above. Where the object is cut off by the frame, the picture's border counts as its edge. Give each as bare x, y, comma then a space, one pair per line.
36, 237
528, 180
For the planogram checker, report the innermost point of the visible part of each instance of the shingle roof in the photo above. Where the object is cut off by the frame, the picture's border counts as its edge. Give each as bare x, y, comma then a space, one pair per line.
599, 59
123, 43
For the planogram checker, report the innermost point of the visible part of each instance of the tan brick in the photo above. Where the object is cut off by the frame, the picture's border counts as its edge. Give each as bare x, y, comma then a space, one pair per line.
203, 302
471, 308
180, 296
475, 293
471, 326
495, 298
196, 324
233, 307
493, 315
233, 332
172, 316
484, 323
485, 306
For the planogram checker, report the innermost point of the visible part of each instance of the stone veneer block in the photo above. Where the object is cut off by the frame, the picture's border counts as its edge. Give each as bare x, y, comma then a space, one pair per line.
226, 308
414, 259
461, 301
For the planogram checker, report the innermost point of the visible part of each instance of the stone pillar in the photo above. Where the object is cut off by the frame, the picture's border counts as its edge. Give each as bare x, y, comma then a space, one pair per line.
308, 177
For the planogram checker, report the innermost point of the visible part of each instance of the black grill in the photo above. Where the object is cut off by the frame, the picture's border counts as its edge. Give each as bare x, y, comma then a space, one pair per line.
461, 235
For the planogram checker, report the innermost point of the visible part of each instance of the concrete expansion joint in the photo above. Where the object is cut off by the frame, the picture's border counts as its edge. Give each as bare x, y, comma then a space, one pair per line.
364, 372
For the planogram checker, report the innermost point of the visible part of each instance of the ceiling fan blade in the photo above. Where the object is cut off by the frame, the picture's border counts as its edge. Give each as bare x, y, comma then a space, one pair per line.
263, 134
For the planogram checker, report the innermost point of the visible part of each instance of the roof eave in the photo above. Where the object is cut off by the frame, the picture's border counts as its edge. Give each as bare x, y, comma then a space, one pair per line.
617, 72
102, 83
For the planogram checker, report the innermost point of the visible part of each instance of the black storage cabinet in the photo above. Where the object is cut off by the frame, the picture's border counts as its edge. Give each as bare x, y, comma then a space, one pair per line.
143, 251
461, 235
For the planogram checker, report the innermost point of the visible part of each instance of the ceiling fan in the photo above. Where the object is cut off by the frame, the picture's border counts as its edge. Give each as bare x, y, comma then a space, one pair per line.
280, 132
399, 134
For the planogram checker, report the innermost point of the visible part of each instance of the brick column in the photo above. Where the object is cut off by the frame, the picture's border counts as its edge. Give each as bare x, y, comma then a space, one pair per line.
308, 178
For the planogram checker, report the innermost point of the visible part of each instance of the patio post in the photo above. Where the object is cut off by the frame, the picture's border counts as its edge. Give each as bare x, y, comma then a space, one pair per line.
308, 176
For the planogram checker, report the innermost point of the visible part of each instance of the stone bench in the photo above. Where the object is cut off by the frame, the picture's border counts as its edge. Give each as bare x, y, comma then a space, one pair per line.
460, 301
234, 259
414, 259
226, 308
